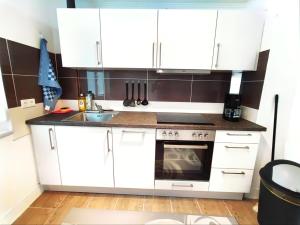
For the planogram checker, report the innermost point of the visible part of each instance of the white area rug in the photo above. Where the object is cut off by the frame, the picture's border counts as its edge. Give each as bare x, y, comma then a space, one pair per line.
78, 216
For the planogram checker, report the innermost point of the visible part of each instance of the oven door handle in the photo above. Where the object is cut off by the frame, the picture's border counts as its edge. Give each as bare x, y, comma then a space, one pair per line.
203, 147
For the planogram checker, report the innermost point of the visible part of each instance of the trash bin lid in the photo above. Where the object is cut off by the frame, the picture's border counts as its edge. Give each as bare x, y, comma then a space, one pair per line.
283, 178
287, 176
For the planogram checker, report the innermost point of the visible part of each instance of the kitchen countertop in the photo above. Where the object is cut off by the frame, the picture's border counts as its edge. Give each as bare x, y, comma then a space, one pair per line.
147, 120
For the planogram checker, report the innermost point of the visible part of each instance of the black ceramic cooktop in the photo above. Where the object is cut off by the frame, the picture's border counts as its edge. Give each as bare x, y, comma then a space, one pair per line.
182, 118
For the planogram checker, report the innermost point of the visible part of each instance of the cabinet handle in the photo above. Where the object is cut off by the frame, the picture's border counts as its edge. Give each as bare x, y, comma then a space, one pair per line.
233, 173
183, 185
133, 132
50, 132
230, 134
107, 140
237, 147
98, 55
217, 59
153, 44
160, 54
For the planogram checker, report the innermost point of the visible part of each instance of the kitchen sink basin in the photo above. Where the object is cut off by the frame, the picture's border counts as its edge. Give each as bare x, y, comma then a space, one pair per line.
92, 117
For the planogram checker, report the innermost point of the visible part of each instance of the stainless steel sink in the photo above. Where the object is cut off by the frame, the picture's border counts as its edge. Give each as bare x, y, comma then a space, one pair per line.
92, 117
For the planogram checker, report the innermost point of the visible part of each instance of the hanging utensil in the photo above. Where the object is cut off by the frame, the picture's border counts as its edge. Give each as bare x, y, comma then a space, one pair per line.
126, 101
139, 101
145, 101
132, 101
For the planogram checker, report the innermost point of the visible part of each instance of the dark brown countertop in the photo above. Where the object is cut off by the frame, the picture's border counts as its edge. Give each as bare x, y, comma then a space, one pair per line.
147, 120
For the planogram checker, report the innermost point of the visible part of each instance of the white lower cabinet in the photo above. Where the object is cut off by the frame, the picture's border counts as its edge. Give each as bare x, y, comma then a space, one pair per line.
45, 149
229, 155
177, 185
230, 180
85, 156
134, 157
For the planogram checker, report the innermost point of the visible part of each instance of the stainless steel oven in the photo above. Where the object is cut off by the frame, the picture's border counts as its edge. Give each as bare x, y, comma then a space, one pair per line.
183, 154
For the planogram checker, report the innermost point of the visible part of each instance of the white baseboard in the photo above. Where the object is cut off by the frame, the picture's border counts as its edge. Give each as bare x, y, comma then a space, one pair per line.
13, 213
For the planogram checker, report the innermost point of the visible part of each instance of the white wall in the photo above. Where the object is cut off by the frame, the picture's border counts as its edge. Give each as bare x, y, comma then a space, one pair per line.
18, 180
23, 21
281, 36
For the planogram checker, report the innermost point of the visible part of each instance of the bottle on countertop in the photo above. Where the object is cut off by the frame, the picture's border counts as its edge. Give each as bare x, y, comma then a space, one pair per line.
81, 102
89, 100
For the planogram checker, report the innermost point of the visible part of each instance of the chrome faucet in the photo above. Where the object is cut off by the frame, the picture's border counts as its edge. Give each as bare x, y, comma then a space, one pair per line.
99, 108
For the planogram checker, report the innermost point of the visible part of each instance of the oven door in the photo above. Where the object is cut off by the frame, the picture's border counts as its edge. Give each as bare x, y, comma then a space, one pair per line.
183, 160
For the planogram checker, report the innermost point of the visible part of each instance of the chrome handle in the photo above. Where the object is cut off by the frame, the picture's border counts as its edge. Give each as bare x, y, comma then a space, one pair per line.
160, 54
183, 185
107, 140
133, 132
233, 173
153, 44
217, 59
50, 132
187, 146
237, 147
230, 134
98, 55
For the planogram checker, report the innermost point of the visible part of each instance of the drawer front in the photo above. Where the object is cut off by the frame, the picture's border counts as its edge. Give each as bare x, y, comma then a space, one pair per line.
237, 137
228, 155
181, 185
230, 180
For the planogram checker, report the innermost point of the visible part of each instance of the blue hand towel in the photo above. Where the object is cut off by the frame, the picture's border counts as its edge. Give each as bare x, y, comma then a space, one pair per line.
47, 78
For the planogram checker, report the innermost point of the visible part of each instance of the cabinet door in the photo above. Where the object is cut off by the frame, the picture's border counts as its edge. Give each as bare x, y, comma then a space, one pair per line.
45, 150
134, 157
186, 38
85, 156
79, 33
129, 38
238, 40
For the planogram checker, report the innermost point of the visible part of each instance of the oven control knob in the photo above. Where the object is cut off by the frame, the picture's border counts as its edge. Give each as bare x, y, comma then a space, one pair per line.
176, 134
206, 135
164, 133
200, 135
170, 134
194, 135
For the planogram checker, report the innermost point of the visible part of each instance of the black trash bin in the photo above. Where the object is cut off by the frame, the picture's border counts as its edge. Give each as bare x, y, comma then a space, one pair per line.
279, 198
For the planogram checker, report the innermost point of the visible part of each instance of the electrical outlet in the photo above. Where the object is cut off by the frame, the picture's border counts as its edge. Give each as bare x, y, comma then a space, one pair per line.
26, 103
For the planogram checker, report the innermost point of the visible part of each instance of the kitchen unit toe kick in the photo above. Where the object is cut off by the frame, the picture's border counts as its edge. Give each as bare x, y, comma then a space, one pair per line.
147, 192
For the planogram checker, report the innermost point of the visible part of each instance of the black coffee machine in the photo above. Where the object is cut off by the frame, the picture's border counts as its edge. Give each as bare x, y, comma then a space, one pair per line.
232, 107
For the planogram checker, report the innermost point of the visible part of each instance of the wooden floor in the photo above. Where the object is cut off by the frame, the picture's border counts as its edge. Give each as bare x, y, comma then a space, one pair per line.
52, 207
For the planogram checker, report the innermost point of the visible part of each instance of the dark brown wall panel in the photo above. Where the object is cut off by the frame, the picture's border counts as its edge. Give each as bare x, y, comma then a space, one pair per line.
4, 59
253, 81
24, 59
9, 91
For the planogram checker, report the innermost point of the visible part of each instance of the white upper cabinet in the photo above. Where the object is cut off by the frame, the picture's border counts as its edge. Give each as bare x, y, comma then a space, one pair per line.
186, 39
238, 40
45, 149
80, 40
134, 157
129, 38
85, 156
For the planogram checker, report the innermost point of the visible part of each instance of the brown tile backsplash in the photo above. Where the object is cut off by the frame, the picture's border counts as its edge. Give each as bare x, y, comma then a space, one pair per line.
125, 74
4, 59
27, 87
252, 82
209, 91
260, 73
22, 81
64, 71
24, 59
69, 88
169, 90
9, 91
251, 93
